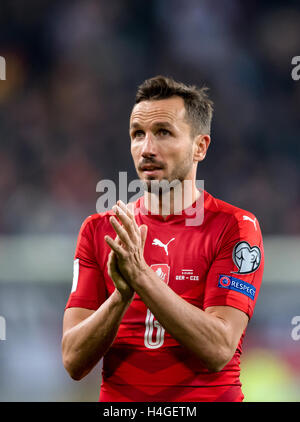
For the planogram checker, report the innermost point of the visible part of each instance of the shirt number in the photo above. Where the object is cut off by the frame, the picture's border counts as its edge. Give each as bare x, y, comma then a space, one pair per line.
150, 323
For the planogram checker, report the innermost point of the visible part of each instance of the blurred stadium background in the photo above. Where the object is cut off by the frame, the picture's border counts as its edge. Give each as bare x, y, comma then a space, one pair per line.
72, 71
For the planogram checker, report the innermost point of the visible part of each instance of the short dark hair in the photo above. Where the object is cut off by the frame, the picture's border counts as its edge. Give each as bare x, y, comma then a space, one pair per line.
198, 106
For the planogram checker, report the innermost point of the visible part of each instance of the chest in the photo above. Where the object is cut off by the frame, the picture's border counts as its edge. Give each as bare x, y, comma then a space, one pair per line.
181, 257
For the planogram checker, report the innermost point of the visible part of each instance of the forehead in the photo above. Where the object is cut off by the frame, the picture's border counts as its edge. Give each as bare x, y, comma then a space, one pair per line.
170, 109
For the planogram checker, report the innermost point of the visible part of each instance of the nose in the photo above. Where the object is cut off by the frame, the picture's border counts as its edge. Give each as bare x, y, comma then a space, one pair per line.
149, 146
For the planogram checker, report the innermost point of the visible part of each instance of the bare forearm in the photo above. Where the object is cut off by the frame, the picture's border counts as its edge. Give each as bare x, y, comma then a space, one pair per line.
204, 334
85, 344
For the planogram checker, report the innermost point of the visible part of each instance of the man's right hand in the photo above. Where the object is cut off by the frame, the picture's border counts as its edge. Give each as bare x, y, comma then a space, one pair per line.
120, 283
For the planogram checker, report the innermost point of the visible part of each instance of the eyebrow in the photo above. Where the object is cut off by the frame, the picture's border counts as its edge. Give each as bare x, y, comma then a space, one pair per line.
155, 125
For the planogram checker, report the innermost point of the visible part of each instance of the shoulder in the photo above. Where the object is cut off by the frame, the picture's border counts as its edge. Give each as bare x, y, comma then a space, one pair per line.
94, 223
218, 208
99, 221
231, 222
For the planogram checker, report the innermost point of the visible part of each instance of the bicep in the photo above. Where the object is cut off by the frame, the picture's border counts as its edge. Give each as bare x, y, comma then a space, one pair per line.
234, 320
88, 287
228, 282
73, 316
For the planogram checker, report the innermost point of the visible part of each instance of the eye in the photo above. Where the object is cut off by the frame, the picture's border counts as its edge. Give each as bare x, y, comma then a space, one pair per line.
137, 134
164, 132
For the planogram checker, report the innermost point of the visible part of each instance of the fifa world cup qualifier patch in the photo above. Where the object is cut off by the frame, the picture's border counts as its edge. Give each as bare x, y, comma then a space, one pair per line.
246, 258
241, 286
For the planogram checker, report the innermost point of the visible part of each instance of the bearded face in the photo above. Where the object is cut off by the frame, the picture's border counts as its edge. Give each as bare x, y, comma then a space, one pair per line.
161, 145
172, 174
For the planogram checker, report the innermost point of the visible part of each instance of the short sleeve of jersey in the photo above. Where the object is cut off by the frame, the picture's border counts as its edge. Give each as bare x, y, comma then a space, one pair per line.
235, 275
88, 287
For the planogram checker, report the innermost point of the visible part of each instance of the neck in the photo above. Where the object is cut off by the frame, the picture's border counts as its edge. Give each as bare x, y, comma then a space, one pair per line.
174, 201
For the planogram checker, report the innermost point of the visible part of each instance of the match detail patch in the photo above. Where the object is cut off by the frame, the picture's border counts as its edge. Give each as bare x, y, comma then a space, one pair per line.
162, 270
247, 258
241, 286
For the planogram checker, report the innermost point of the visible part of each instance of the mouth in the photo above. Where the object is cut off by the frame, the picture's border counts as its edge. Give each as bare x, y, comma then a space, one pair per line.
151, 171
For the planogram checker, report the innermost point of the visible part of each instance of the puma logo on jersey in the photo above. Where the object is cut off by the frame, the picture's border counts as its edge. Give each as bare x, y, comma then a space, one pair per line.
245, 217
157, 242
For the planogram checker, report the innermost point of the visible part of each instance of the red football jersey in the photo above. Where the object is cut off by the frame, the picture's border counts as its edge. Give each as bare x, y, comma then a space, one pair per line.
217, 262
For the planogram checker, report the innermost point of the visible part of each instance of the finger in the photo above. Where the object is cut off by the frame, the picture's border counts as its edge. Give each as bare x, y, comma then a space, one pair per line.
127, 222
130, 207
144, 231
111, 257
110, 263
120, 213
118, 240
120, 231
113, 268
114, 246
128, 210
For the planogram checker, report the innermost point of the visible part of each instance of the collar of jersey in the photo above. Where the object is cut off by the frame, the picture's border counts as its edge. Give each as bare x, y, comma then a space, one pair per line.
185, 214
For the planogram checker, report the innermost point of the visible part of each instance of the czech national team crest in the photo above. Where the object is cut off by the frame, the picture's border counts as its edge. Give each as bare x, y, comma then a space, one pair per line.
163, 271
246, 258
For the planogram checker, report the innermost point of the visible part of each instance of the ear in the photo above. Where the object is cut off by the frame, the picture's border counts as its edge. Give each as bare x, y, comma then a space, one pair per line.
201, 144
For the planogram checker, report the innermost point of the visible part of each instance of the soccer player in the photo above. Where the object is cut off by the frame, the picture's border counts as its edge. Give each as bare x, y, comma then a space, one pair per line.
165, 302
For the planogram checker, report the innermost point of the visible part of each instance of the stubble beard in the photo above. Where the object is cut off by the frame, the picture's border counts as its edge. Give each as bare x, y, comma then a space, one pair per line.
177, 176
